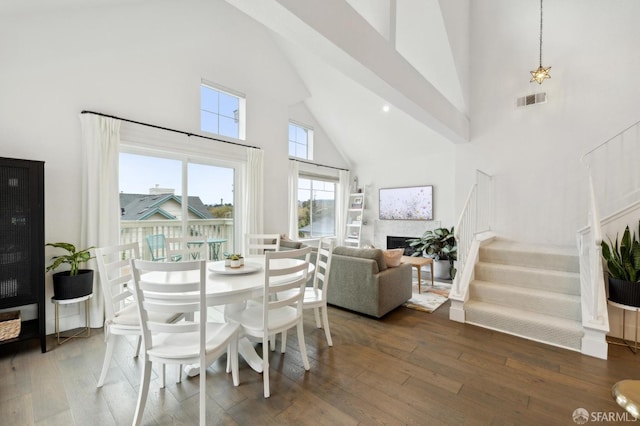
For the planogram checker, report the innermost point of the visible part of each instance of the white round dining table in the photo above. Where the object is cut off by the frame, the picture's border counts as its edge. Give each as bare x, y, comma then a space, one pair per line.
231, 288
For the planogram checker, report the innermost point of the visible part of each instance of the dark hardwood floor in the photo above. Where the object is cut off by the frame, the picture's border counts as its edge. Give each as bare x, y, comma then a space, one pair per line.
407, 368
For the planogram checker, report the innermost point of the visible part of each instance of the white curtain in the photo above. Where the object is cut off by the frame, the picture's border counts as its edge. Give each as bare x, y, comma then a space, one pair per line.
100, 222
294, 170
253, 208
342, 200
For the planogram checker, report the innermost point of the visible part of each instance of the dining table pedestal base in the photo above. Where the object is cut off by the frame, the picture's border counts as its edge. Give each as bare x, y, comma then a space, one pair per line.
245, 349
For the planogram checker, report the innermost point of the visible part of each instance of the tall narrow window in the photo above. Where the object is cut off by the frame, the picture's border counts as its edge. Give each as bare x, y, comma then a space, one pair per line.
300, 141
316, 207
222, 112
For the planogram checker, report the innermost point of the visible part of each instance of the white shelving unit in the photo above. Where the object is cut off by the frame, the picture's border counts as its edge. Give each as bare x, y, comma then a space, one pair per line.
355, 211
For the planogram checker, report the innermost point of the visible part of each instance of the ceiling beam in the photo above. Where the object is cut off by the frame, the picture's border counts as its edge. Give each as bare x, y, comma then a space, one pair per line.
334, 31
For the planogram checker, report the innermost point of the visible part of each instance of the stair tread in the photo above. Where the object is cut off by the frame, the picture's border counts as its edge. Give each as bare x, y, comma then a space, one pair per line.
533, 291
509, 245
522, 268
505, 311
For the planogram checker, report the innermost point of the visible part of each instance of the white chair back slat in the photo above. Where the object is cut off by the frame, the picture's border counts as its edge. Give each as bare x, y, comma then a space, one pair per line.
323, 266
274, 273
259, 244
114, 273
185, 249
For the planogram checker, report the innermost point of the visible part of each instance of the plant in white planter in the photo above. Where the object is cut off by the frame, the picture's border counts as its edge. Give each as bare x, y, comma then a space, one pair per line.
75, 282
236, 261
440, 245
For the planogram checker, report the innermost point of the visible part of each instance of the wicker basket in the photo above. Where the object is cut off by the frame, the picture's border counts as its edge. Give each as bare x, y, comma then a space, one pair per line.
9, 325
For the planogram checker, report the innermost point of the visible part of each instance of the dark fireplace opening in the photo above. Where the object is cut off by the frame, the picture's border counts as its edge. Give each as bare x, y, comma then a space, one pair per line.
400, 242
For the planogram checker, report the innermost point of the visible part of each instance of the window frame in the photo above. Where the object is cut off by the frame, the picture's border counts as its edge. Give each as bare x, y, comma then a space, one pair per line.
322, 178
308, 143
242, 110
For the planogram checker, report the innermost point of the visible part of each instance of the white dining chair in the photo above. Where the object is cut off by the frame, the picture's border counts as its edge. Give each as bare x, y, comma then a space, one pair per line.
284, 271
316, 297
121, 317
187, 248
259, 244
181, 287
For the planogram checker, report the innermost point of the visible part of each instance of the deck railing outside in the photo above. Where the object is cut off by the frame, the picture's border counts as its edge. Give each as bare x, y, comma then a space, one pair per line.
138, 230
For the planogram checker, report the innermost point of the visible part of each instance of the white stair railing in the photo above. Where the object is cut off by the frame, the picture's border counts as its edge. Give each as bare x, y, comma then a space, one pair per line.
591, 271
613, 185
475, 218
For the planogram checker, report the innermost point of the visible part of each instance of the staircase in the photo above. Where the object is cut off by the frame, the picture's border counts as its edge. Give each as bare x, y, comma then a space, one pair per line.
528, 291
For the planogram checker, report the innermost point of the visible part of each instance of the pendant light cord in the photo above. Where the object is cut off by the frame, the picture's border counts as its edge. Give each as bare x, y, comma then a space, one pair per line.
540, 32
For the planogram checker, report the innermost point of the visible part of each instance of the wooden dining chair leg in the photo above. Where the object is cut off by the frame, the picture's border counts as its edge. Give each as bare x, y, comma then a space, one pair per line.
162, 376
316, 313
265, 366
108, 354
325, 320
272, 342
303, 346
138, 347
203, 396
144, 391
283, 343
232, 352
179, 374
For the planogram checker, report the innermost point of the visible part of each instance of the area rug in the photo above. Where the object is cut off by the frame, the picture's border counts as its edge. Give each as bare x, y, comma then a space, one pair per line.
431, 298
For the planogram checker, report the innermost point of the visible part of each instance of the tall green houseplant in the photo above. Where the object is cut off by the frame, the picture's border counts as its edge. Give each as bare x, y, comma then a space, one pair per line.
623, 265
439, 244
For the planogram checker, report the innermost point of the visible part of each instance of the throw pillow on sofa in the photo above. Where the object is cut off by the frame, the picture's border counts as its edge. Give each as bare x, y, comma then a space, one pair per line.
392, 257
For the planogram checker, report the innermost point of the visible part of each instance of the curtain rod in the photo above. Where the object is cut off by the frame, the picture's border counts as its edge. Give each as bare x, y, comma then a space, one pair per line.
168, 129
316, 164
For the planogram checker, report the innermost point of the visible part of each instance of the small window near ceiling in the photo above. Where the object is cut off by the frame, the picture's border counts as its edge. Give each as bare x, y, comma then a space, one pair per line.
222, 112
300, 141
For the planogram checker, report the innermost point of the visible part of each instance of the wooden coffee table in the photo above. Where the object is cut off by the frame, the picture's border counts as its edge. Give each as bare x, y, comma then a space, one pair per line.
418, 263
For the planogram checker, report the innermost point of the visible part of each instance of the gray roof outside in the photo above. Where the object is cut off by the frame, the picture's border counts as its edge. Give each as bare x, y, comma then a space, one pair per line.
143, 206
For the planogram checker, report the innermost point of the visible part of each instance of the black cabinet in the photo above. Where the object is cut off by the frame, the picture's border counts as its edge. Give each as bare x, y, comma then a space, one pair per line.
22, 245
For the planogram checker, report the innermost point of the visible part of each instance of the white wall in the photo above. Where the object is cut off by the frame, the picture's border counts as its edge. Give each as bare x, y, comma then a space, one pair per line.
534, 153
143, 62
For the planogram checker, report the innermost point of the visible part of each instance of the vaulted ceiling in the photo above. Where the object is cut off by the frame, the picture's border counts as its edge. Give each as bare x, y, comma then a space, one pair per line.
356, 56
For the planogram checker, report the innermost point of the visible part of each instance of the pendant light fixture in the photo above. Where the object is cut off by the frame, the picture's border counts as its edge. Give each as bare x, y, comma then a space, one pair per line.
542, 73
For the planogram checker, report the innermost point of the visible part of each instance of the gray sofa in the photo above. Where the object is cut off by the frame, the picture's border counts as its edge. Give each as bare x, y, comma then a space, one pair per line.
361, 281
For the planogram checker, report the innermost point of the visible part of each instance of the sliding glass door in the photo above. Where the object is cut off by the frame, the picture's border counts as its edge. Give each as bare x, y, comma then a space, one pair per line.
163, 197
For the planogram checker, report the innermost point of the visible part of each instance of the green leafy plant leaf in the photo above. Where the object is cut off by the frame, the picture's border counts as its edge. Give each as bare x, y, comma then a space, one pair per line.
73, 258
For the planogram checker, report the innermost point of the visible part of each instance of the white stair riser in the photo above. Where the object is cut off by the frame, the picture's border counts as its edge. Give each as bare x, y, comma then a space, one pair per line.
521, 326
556, 281
553, 304
533, 260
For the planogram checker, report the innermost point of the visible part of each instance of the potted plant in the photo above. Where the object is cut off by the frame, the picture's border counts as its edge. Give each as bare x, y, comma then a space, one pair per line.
440, 245
236, 261
623, 265
75, 282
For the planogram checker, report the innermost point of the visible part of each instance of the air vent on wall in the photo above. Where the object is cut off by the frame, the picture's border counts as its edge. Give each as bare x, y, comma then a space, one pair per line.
538, 98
